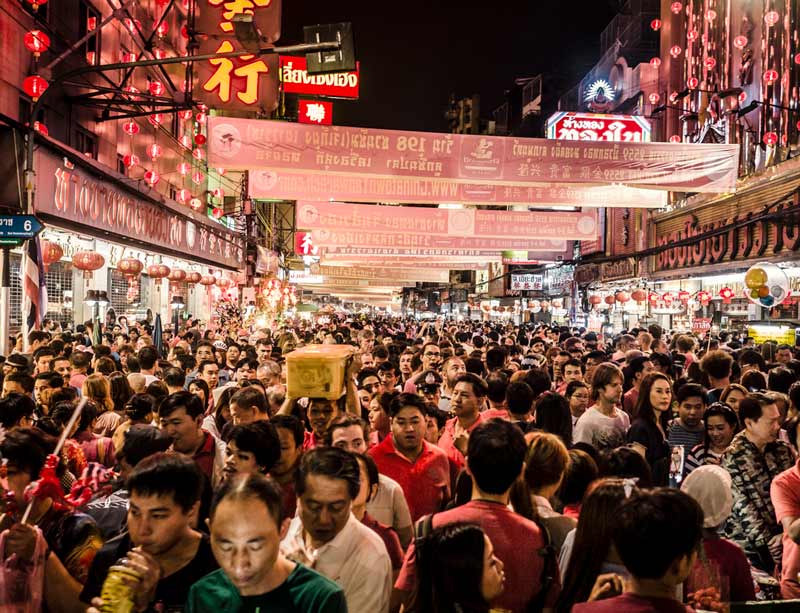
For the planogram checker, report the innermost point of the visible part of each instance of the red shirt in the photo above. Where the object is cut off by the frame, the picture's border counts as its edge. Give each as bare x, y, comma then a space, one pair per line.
785, 495
389, 538
204, 457
309, 440
631, 603
516, 542
447, 441
725, 568
425, 482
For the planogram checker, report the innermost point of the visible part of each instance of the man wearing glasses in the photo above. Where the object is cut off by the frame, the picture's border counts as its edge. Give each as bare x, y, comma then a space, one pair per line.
431, 360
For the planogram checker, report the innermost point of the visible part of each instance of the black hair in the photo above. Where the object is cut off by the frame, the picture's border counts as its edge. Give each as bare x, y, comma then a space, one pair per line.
581, 472
139, 407
553, 415
250, 398
574, 386
479, 387
27, 449
654, 529
752, 405
251, 486
14, 407
172, 474
496, 358
330, 462
181, 400
495, 455
404, 400
292, 424
142, 441
259, 438
690, 390
719, 409
147, 355
781, 379
174, 377
539, 381
519, 398
372, 471
626, 463
496, 384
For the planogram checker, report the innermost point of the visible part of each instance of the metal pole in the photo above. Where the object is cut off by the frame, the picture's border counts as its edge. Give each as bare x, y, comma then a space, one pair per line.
5, 299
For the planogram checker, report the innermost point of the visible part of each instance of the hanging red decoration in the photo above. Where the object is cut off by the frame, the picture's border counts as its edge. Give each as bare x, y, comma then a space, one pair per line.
198, 154
639, 295
676, 7
770, 76
183, 196
158, 271
151, 177
727, 294
154, 151
185, 114
186, 141
193, 277
201, 118
176, 275
655, 24
91, 57
220, 171
34, 86
594, 299
41, 128
156, 119
710, 63
770, 138
91, 24
692, 83
219, 193
88, 261
36, 41
198, 177
703, 297
185, 32
196, 204
668, 298
51, 253
684, 296
711, 15
131, 128
653, 297
130, 160
217, 212
208, 280
655, 62
162, 29
740, 42
131, 268
129, 57
675, 50
37, 3
156, 88
654, 98
622, 297
199, 139
771, 18
184, 168
692, 35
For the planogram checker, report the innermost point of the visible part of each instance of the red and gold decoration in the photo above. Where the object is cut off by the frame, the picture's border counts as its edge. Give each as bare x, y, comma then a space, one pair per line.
131, 268
88, 262
158, 272
51, 253
193, 277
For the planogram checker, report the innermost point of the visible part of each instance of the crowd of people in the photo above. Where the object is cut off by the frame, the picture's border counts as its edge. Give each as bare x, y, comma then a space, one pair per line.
469, 467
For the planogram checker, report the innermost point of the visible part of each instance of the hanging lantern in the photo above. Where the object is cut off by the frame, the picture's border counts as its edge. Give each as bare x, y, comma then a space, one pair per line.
36, 41
740, 42
158, 271
676, 7
771, 18
770, 138
154, 151
186, 141
88, 261
654, 98
225, 283
129, 57
37, 3
185, 114
184, 168
34, 86
51, 253
193, 277
727, 294
183, 195
201, 118
219, 193
711, 15
674, 138
710, 63
655, 62
176, 275
609, 300
185, 32
655, 25
668, 298
156, 119
770, 76
220, 171
131, 128
198, 154
557, 303
198, 177
684, 296
131, 268
162, 29
196, 204
156, 88
199, 139
639, 295
151, 177
41, 128
653, 297
675, 50
692, 83
208, 280
130, 160
622, 297
130, 89
159, 54
703, 297
217, 212
692, 35
132, 24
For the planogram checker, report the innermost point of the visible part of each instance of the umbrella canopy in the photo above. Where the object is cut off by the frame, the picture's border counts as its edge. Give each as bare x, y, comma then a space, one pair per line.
158, 335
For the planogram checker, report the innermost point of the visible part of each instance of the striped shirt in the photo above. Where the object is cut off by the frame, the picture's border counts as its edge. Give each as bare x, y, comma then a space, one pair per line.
683, 436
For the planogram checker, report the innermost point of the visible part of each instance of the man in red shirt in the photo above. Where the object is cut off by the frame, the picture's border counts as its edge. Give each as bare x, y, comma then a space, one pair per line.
421, 469
785, 495
495, 458
468, 397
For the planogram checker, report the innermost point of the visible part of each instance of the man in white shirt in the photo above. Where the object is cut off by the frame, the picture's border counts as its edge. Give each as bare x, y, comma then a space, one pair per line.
604, 425
327, 537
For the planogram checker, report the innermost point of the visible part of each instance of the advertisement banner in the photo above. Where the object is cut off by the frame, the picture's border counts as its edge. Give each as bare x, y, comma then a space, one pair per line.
339, 216
296, 80
468, 159
405, 263
597, 127
426, 252
388, 275
526, 282
316, 112
79, 196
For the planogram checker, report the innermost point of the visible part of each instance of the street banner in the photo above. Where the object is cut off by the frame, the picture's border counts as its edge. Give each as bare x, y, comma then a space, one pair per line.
387, 275
466, 159
404, 263
486, 254
552, 226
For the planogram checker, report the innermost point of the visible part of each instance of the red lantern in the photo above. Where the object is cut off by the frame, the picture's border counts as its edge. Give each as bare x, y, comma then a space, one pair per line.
770, 76
610, 300
668, 298
770, 138
208, 280
163, 29
176, 275
37, 3
654, 98
622, 297
594, 299
41, 128
655, 24
183, 196
710, 63
201, 118
36, 41
196, 204
639, 295
692, 35
184, 168
130, 267
655, 62
653, 297
219, 193
51, 253
156, 88
151, 177
193, 277
771, 18
34, 86
224, 283
676, 7
130, 160
740, 42
675, 50
154, 151
197, 153
692, 82
156, 119
131, 128
684, 296
711, 15
199, 139
185, 114
704, 297
674, 138
198, 177
129, 57
217, 212
88, 261
727, 294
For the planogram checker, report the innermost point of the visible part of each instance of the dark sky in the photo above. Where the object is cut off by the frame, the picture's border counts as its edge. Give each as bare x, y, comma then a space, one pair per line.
414, 53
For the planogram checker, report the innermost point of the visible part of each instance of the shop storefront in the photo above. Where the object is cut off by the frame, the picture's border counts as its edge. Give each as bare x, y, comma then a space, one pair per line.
88, 208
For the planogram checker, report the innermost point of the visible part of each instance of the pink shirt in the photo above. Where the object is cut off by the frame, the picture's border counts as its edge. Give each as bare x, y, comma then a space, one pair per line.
785, 495
449, 435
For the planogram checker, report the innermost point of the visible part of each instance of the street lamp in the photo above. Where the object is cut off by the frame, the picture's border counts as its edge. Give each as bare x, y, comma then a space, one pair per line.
177, 303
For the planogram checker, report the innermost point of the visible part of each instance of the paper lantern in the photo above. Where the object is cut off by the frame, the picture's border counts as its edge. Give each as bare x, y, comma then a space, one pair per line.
770, 76
193, 277
183, 196
684, 296
37, 3
609, 300
676, 7
622, 297
199, 139
675, 138
217, 212
176, 275
34, 86
197, 153
675, 50
692, 35
151, 177
158, 271
162, 29
156, 119
655, 24
710, 63
224, 282
130, 267
655, 62
88, 261
185, 114
130, 160
219, 193
36, 41
692, 82
129, 57
51, 253
196, 204
594, 299
184, 168
198, 177
654, 98
131, 128
41, 128
154, 151
740, 42
711, 15
201, 118
156, 88
208, 280
639, 295
726, 293
703, 297
771, 18
770, 138
668, 298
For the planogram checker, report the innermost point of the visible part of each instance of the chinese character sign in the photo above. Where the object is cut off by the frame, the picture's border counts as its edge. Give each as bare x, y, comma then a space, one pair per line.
526, 282
304, 244
248, 82
317, 112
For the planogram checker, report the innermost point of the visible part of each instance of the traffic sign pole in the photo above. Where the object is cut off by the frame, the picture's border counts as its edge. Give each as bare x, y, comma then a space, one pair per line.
5, 299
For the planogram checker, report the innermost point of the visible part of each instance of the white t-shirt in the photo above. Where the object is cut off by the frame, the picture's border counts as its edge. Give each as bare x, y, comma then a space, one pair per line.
600, 431
389, 505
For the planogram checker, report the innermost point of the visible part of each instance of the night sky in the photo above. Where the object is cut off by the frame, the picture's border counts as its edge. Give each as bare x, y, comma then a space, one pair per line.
414, 53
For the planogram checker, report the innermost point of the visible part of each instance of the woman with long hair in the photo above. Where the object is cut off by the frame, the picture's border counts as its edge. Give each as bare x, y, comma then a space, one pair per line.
588, 551
732, 395
552, 415
96, 388
721, 425
121, 391
457, 571
650, 426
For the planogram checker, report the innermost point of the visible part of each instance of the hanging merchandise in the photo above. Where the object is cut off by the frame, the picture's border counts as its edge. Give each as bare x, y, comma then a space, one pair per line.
766, 285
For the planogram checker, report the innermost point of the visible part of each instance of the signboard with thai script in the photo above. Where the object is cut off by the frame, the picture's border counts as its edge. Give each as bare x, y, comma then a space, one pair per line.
296, 80
526, 282
317, 112
390, 275
553, 227
83, 197
404, 263
461, 159
420, 251
701, 324
248, 82
598, 127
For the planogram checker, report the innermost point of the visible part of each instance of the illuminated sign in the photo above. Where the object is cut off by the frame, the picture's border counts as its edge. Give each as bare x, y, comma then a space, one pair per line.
527, 282
316, 112
599, 95
304, 244
596, 127
296, 80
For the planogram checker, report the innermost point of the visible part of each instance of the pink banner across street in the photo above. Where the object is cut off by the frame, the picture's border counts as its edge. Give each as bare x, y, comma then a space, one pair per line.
405, 263
428, 252
554, 227
467, 159
388, 275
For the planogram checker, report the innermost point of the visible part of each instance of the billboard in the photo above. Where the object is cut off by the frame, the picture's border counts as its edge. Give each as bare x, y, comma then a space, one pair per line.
598, 127
296, 80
